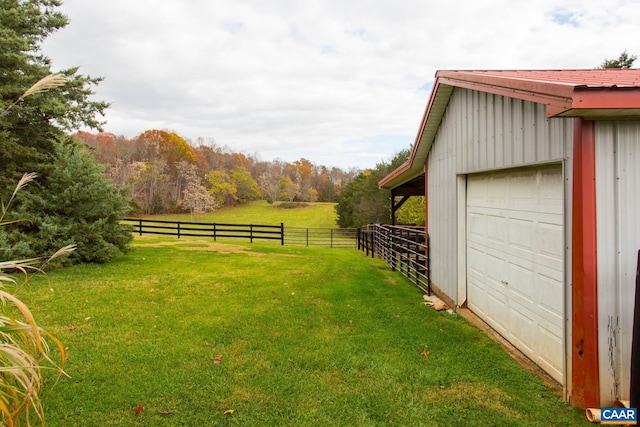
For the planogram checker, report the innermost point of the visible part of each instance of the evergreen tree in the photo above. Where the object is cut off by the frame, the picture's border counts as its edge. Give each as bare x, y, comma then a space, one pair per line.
29, 129
78, 206
72, 202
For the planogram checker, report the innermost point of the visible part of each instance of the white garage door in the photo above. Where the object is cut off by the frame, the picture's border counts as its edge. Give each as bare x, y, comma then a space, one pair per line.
515, 259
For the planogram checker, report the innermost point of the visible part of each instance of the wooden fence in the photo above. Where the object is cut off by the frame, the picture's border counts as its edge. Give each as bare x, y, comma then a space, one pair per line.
405, 249
317, 237
207, 229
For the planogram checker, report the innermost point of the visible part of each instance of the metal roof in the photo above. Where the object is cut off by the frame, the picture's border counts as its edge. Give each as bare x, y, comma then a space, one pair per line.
592, 94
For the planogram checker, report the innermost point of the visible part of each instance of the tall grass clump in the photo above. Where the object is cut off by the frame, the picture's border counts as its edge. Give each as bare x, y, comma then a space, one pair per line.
24, 346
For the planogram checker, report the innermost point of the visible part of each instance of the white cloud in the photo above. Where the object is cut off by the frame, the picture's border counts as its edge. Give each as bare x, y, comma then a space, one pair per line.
340, 83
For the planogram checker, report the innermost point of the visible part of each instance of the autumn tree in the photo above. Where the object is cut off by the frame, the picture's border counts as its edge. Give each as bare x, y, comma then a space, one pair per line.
289, 189
222, 188
270, 181
246, 187
197, 198
152, 166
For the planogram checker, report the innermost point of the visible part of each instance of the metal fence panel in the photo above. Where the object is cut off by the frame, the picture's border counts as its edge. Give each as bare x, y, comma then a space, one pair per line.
405, 249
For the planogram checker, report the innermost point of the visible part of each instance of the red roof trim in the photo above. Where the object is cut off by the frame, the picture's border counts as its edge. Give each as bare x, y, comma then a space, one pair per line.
618, 98
556, 103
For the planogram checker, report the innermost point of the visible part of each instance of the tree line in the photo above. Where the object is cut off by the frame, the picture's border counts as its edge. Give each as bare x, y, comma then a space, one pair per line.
165, 173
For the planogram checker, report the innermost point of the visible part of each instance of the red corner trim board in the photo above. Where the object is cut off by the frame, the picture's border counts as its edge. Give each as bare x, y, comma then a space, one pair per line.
585, 390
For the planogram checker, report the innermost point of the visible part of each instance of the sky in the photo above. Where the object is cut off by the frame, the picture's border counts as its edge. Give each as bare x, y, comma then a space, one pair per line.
341, 83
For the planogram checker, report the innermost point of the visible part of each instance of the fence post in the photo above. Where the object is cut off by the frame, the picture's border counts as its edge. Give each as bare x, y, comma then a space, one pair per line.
282, 234
178, 230
214, 233
140, 226
307, 237
250, 233
373, 244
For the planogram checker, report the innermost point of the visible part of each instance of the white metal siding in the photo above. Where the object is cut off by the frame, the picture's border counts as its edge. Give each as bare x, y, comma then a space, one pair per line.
481, 132
515, 259
618, 235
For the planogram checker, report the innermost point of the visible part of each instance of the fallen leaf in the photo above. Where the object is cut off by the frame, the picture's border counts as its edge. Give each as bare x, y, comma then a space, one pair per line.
138, 410
229, 411
207, 344
71, 328
293, 362
86, 319
217, 359
425, 353
166, 412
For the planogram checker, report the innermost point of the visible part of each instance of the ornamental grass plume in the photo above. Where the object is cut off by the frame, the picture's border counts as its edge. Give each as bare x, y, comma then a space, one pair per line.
44, 84
24, 346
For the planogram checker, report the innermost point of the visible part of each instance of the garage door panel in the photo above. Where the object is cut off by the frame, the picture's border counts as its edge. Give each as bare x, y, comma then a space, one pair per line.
515, 259
550, 355
550, 241
550, 288
521, 233
521, 327
476, 225
496, 228
496, 310
521, 282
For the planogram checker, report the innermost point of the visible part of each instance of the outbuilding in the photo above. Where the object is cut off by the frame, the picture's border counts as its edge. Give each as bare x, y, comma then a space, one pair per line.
532, 185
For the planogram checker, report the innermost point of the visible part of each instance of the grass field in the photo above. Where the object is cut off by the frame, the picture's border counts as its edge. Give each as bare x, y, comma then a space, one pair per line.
196, 333
315, 215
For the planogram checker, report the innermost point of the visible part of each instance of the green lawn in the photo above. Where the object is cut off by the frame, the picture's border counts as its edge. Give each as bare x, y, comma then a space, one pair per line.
314, 215
186, 330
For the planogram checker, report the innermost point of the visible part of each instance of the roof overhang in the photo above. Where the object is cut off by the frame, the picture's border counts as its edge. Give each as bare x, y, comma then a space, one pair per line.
592, 94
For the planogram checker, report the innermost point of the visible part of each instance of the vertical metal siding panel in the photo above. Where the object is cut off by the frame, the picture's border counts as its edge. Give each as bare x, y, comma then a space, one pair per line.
450, 150
542, 135
618, 168
482, 147
606, 236
492, 153
529, 131
517, 141
628, 165
457, 128
507, 139
498, 131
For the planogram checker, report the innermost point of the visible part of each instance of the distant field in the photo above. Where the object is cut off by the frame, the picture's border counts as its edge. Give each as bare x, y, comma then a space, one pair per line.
315, 215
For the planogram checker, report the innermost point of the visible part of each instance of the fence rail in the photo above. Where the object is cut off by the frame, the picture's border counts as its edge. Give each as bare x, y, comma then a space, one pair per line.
316, 237
205, 229
405, 249
321, 237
